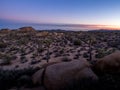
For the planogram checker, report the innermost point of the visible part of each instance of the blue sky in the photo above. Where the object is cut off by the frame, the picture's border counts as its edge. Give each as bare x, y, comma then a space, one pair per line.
97, 12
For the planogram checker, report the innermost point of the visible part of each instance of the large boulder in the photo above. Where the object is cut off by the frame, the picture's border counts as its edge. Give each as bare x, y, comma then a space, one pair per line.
37, 78
110, 63
62, 74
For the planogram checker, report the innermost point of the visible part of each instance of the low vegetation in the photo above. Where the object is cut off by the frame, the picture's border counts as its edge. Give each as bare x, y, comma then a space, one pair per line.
26, 47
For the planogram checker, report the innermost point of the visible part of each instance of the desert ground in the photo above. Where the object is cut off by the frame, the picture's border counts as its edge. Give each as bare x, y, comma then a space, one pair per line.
26, 48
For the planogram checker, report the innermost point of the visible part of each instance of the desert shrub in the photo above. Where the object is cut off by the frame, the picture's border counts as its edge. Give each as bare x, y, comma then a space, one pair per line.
3, 45
66, 59
34, 55
76, 56
77, 42
40, 50
113, 43
10, 57
62, 51
100, 55
5, 62
85, 55
23, 41
6, 59
50, 53
110, 51
55, 51
23, 60
78, 51
22, 50
22, 57
34, 61
57, 54
14, 49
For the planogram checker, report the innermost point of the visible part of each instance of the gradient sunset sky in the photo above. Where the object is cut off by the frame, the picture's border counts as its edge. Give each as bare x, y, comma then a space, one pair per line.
87, 12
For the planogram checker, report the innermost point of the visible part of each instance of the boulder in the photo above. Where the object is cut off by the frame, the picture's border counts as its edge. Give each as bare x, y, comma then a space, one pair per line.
37, 77
109, 63
62, 74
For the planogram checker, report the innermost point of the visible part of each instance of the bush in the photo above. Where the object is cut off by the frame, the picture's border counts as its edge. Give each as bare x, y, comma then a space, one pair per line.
77, 42
40, 50
3, 45
66, 59
76, 56
61, 51
5, 62
6, 59
100, 55
85, 55
34, 61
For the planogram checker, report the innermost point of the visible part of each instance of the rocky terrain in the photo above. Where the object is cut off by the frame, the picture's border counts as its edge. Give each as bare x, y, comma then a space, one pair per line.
59, 60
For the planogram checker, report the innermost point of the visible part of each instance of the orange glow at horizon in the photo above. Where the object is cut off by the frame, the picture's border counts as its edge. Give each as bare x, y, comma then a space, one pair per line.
113, 27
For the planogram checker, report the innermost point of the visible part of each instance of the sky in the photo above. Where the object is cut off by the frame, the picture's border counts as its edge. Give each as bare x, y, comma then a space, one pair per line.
87, 12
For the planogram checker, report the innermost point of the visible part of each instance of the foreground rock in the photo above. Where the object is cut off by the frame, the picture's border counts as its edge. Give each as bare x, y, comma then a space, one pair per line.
110, 63
56, 76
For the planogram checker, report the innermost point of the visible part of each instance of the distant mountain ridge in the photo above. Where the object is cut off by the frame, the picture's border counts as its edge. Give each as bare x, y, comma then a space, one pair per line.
104, 30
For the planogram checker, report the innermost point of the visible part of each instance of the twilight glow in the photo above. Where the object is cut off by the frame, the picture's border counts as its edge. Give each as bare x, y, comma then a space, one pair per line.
101, 14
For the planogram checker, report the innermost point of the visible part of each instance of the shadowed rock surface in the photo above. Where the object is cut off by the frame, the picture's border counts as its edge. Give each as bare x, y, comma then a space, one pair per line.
58, 76
109, 63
